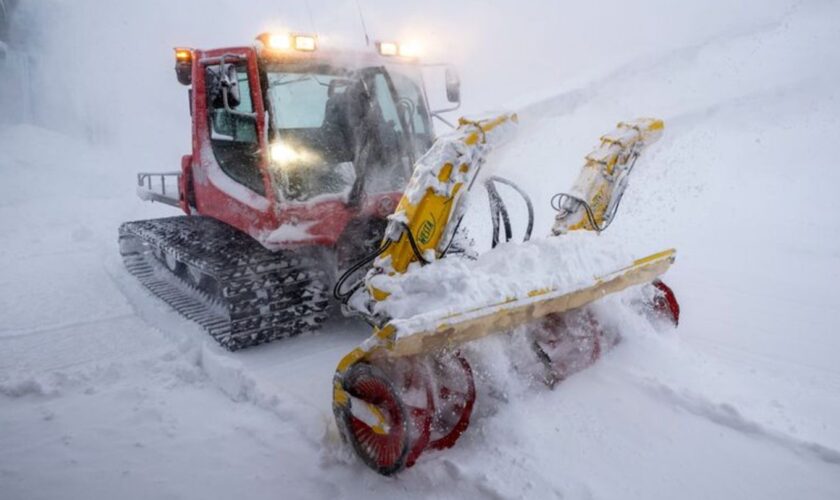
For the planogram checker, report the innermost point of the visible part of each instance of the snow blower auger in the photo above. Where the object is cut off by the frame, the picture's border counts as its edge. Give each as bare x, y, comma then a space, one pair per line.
408, 388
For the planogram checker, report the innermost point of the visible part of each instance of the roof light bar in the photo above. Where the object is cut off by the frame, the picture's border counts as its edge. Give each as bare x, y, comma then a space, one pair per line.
390, 49
279, 42
304, 42
410, 49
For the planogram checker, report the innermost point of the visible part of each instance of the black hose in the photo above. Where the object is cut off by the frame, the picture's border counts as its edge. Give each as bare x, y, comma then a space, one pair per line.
452, 239
493, 198
558, 205
499, 212
413, 244
590, 215
345, 296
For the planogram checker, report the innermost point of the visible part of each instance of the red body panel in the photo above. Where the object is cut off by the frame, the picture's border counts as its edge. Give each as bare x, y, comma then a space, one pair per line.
210, 198
185, 184
320, 223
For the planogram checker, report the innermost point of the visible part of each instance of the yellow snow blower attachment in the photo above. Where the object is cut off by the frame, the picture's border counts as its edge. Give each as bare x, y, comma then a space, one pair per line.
596, 194
408, 388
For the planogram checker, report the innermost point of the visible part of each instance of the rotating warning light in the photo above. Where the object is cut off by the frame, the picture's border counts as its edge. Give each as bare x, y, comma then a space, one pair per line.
183, 55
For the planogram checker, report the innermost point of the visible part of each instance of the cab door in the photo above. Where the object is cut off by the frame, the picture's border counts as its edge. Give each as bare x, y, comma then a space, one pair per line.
230, 161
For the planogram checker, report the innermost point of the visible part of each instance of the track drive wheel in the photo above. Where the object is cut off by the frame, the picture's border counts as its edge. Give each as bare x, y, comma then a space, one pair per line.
170, 261
454, 401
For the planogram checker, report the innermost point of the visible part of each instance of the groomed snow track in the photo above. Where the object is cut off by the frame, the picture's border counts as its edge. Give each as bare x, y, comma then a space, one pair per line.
241, 293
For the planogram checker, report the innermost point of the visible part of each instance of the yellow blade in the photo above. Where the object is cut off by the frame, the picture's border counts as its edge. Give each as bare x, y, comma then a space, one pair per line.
455, 329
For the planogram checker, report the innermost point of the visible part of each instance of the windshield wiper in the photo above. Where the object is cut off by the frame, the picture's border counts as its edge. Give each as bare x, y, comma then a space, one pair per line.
279, 83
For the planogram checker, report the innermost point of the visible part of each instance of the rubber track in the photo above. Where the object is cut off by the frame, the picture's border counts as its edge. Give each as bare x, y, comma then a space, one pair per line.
257, 295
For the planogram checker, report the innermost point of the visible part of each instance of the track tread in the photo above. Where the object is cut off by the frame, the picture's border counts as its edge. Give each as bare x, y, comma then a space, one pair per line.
260, 295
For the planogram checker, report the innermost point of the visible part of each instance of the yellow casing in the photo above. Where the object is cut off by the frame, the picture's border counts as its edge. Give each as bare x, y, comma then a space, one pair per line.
427, 208
434, 192
599, 181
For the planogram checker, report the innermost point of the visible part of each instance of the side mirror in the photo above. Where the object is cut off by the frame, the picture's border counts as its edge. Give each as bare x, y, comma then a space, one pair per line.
223, 85
453, 85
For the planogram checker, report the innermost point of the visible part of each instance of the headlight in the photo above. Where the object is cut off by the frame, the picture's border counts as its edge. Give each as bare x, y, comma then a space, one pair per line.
283, 154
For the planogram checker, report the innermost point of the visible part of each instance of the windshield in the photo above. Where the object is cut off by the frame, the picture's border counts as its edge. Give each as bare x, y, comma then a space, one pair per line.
301, 96
343, 133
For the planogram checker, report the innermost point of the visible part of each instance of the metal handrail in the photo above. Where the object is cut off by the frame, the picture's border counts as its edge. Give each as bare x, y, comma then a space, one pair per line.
146, 187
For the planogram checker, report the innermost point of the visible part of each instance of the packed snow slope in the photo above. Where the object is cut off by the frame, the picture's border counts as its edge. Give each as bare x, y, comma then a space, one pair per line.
106, 393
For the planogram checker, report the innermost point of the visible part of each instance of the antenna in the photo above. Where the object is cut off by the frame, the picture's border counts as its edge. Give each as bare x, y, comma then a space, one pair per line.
311, 21
364, 27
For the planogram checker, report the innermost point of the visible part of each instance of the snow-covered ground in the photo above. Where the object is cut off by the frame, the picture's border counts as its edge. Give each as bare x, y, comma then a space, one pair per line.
107, 393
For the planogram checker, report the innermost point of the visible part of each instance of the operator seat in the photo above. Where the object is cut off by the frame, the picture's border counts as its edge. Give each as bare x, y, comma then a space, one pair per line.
336, 130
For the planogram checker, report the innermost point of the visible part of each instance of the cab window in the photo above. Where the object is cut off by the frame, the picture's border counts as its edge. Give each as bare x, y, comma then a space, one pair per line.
385, 100
411, 102
233, 137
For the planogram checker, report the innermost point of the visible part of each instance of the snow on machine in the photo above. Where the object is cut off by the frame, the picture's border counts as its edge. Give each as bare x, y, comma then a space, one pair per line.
408, 388
314, 171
